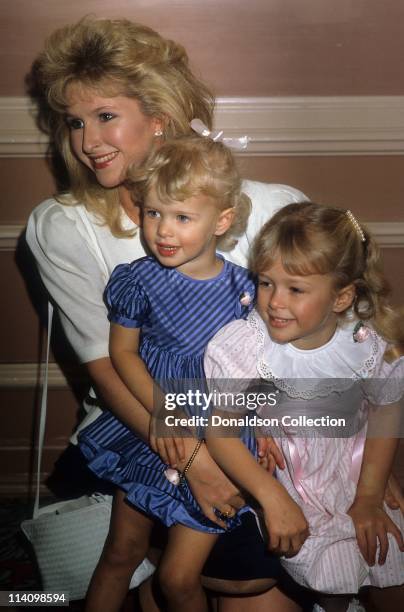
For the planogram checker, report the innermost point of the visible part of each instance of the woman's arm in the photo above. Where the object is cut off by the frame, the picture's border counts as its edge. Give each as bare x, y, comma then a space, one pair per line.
73, 275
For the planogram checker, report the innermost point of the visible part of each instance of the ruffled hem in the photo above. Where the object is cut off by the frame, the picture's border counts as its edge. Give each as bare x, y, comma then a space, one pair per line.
131, 465
337, 567
330, 560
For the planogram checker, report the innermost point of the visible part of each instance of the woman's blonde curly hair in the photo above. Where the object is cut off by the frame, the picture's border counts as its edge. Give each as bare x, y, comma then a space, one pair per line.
117, 57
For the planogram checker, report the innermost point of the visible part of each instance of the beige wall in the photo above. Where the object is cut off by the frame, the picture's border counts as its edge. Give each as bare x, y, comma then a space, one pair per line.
254, 48
246, 49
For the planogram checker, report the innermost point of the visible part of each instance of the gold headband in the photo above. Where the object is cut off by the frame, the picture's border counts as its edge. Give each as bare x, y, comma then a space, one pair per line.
356, 225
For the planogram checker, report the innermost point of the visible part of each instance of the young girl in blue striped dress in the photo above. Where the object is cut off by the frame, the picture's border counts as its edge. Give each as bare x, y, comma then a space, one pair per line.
163, 310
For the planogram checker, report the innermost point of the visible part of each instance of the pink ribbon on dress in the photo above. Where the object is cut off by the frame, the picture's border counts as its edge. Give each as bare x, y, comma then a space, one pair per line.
297, 468
357, 454
358, 447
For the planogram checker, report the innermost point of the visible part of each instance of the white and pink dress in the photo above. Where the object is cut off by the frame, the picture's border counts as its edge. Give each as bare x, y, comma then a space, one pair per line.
339, 382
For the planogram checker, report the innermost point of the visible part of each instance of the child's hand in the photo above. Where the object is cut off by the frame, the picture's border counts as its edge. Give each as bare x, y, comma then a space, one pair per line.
393, 495
269, 455
285, 522
372, 524
170, 448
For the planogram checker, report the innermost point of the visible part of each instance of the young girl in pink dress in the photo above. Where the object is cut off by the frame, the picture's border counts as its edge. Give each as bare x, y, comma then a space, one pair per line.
325, 336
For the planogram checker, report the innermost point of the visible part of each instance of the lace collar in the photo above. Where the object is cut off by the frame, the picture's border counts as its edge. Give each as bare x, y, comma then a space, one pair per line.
306, 374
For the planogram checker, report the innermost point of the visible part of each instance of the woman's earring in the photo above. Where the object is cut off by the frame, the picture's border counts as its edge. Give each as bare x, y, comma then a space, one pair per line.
158, 133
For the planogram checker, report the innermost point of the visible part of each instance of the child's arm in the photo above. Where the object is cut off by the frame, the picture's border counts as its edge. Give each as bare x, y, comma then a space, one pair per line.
124, 352
117, 397
371, 522
285, 522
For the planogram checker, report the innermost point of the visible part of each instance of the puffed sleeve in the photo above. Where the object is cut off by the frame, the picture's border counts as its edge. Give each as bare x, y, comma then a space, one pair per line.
230, 362
73, 277
125, 297
387, 384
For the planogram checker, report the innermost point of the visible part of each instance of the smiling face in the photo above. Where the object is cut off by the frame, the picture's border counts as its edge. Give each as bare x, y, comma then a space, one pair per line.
183, 235
108, 134
302, 310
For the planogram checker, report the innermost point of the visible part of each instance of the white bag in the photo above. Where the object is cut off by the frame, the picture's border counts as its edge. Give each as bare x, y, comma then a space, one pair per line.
68, 536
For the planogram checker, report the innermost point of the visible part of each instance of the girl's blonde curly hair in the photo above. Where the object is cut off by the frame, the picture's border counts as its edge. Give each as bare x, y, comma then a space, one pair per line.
314, 239
192, 165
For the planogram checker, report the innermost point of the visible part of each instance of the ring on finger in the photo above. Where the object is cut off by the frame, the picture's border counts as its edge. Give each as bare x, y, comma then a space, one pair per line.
227, 514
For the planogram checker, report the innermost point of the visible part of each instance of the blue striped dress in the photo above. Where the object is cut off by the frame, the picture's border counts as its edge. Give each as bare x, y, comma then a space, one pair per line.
178, 315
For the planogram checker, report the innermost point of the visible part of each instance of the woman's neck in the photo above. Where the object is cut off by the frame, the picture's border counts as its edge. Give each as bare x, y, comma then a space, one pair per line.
130, 208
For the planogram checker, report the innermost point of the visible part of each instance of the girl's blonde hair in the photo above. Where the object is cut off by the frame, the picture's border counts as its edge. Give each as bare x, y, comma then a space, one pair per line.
192, 165
117, 57
313, 239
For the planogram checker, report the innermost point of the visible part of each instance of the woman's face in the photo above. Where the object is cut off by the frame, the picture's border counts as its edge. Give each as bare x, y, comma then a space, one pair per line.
108, 134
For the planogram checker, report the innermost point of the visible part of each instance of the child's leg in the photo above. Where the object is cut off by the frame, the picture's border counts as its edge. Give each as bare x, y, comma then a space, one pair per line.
125, 547
180, 569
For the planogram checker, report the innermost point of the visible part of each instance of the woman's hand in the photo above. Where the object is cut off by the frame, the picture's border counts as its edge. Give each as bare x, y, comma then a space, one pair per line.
285, 522
212, 489
372, 525
269, 454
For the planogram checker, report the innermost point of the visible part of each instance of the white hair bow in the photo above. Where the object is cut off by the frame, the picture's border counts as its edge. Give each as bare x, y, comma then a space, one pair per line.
233, 143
